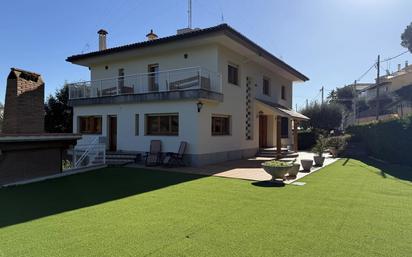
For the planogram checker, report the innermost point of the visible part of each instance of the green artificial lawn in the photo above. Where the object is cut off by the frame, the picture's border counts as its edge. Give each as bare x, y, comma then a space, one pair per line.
346, 209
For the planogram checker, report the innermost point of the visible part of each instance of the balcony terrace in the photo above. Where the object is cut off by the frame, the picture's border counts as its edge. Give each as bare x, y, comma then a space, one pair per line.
187, 83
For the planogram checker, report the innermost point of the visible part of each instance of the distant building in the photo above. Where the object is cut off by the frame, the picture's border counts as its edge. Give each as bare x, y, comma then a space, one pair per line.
392, 99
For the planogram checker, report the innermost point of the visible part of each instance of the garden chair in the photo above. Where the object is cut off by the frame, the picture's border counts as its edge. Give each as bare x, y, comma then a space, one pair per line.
176, 159
153, 157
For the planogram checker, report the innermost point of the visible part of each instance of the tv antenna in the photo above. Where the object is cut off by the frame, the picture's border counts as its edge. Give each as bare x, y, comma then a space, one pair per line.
189, 14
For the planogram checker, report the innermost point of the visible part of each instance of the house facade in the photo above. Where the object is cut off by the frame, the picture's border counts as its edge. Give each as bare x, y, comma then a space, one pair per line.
213, 88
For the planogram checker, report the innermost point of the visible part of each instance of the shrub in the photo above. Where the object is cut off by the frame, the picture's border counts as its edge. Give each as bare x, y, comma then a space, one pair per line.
277, 164
338, 142
306, 139
320, 146
387, 140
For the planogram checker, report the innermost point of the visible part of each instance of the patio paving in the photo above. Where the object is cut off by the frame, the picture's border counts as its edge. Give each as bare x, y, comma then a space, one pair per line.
248, 169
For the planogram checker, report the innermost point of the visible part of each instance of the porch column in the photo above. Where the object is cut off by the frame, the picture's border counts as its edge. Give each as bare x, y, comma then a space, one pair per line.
278, 137
295, 135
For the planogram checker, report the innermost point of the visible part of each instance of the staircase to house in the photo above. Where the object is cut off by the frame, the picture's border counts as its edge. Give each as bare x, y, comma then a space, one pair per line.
271, 153
117, 159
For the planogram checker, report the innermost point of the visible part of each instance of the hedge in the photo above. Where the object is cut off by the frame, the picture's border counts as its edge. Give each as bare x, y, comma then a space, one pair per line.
306, 139
387, 140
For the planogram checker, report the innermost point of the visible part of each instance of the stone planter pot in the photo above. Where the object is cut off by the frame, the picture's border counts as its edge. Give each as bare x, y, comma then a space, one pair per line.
306, 164
333, 151
294, 170
276, 172
319, 160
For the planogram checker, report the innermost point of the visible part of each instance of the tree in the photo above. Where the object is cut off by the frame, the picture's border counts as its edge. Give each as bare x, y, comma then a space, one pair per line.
344, 96
327, 116
406, 38
1, 116
332, 96
59, 115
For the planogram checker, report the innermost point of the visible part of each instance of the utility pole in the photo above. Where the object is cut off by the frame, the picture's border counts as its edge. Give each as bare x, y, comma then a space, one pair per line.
323, 91
355, 95
296, 107
307, 103
378, 64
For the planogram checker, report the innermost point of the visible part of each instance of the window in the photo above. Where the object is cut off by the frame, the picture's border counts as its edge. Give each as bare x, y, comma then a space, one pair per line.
136, 124
266, 86
283, 93
233, 74
220, 125
284, 127
90, 125
153, 76
162, 124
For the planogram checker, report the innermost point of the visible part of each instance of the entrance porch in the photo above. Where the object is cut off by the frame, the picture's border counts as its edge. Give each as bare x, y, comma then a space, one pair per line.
278, 126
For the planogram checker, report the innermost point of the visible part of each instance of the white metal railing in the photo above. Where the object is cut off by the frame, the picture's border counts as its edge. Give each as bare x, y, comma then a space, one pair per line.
89, 152
162, 81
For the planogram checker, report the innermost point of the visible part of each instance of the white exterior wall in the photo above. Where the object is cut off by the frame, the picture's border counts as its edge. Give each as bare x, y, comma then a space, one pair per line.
203, 56
234, 104
127, 140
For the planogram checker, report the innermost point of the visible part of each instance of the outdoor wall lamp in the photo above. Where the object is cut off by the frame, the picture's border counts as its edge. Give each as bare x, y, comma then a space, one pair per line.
199, 106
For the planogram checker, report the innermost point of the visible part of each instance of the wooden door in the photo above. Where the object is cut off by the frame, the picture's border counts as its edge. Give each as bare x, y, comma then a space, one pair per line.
263, 131
112, 133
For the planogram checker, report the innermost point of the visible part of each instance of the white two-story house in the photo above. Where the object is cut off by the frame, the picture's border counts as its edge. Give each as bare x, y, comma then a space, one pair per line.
213, 88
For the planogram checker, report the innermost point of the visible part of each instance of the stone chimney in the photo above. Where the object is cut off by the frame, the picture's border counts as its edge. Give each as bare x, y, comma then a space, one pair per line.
24, 103
399, 67
151, 36
102, 39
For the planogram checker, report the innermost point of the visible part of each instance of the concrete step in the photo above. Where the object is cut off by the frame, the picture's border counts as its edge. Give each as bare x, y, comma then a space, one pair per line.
121, 158
273, 154
117, 163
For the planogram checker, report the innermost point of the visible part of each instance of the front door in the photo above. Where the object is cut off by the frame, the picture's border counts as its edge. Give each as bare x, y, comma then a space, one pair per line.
263, 131
112, 133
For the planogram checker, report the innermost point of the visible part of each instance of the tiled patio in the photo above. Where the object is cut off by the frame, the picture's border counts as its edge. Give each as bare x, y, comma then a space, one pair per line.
248, 169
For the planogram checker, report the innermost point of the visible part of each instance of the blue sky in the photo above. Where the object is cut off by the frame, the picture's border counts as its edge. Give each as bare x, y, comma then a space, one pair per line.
331, 41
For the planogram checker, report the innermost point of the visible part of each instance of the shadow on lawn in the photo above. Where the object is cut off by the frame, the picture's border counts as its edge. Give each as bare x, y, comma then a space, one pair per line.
268, 183
394, 170
28, 202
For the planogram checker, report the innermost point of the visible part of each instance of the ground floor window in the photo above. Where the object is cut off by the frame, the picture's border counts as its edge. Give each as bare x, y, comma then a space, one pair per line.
90, 124
220, 125
284, 127
162, 124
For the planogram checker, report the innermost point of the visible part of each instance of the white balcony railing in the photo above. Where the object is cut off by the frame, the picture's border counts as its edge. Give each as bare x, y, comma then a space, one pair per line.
162, 81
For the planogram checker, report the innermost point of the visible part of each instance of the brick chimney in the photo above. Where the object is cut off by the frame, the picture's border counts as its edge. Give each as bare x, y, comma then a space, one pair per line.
24, 103
102, 39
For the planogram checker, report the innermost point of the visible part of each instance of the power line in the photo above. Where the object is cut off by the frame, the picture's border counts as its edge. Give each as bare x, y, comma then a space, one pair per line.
366, 72
394, 57
374, 65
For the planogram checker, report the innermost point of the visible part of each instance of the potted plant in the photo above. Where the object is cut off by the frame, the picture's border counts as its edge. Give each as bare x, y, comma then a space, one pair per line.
294, 170
277, 169
319, 149
306, 164
336, 144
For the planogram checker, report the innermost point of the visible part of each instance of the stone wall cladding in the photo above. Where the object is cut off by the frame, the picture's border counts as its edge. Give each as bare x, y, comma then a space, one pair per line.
24, 103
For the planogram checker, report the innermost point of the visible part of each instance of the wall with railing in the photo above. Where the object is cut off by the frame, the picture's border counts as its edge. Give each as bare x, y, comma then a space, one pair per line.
88, 152
162, 81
